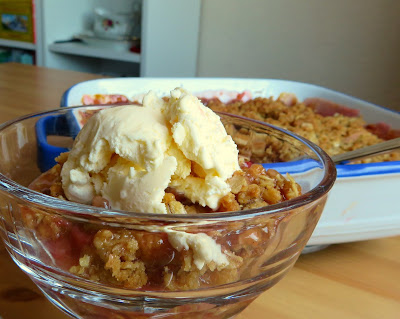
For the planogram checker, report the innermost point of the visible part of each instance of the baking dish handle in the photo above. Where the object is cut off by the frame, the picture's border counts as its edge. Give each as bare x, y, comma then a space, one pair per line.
46, 126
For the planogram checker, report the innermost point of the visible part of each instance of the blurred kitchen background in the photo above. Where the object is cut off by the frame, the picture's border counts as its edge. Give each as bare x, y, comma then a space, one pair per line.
349, 46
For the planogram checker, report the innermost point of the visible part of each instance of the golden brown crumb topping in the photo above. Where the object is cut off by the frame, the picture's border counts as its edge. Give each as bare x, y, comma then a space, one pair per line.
140, 259
336, 134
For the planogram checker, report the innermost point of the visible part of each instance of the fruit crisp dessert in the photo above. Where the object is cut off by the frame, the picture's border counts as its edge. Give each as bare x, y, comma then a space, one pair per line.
335, 128
165, 157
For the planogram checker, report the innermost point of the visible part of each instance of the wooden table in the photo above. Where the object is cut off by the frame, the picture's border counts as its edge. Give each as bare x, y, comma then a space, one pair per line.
354, 280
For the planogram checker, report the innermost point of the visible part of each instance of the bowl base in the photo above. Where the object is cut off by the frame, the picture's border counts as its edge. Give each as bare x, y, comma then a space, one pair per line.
313, 248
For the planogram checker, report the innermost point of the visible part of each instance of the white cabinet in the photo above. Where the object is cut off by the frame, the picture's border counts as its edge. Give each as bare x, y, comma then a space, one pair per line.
169, 38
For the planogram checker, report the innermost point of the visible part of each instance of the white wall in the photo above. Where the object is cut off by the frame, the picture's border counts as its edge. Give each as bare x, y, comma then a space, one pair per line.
350, 46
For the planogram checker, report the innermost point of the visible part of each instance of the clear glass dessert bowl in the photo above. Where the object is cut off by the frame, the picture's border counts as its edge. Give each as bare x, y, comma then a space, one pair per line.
52, 240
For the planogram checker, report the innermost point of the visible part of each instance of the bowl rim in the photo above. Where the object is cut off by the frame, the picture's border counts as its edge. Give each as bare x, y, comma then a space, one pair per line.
89, 212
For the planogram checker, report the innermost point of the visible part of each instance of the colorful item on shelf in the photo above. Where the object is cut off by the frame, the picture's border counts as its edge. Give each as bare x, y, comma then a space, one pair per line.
4, 55
16, 55
16, 19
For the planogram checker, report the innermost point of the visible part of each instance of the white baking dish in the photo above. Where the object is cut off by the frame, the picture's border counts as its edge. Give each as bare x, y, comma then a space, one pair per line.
363, 204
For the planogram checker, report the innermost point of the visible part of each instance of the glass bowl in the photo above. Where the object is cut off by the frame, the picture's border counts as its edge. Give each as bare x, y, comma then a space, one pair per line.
49, 238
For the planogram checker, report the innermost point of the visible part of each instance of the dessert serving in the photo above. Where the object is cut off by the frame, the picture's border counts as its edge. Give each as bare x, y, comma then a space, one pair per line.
157, 211
335, 128
170, 157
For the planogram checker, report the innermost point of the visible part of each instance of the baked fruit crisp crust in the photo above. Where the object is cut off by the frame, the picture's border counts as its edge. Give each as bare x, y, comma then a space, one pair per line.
335, 128
335, 132
136, 259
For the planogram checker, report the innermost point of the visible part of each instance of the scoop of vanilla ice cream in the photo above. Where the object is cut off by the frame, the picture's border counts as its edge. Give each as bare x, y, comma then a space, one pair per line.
129, 155
121, 155
205, 249
202, 138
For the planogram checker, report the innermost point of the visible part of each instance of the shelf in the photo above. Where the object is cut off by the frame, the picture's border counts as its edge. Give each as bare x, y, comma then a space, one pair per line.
160, 54
18, 44
82, 49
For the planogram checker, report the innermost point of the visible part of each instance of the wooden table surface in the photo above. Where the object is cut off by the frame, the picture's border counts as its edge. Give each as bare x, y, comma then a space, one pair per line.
353, 280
